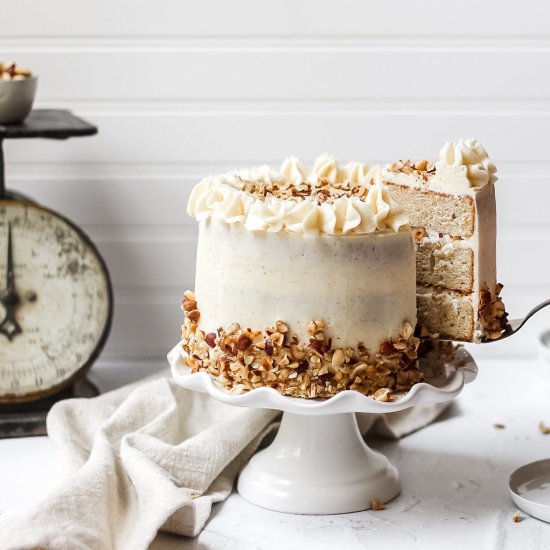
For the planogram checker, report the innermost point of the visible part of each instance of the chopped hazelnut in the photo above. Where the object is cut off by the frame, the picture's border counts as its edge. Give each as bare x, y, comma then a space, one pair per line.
242, 360
296, 352
419, 233
386, 348
383, 394
235, 327
194, 315
189, 305
243, 342
210, 339
281, 327
338, 358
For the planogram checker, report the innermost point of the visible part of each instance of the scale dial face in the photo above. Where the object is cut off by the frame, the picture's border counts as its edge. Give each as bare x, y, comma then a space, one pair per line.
55, 305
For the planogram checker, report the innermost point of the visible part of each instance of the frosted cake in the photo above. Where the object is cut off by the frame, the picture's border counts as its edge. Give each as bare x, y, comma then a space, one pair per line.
310, 281
305, 282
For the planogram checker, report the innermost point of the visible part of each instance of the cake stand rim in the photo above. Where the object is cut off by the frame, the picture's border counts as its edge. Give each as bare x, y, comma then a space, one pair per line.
344, 402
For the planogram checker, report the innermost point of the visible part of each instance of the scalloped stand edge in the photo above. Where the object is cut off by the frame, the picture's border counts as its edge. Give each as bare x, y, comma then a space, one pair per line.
319, 463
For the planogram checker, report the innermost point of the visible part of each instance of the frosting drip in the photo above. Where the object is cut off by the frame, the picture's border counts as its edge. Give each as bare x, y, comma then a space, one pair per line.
332, 201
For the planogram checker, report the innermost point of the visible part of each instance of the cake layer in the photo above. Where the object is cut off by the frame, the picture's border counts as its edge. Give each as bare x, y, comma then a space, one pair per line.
473, 318
445, 314
445, 263
436, 211
363, 286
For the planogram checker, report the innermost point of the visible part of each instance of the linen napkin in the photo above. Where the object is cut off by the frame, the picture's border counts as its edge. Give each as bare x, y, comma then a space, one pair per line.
152, 456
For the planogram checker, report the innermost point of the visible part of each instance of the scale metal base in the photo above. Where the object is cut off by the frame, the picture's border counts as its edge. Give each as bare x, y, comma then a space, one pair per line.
29, 418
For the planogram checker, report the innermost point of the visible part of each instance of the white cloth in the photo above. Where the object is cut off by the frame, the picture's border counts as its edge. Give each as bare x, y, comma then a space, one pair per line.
152, 456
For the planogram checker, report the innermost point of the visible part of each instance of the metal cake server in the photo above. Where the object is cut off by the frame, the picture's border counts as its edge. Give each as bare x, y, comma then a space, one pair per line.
515, 324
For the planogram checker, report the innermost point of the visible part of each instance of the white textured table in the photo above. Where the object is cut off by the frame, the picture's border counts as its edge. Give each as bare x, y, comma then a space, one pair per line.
454, 476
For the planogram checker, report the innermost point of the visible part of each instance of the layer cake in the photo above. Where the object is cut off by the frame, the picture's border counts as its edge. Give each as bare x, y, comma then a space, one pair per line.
305, 282
310, 281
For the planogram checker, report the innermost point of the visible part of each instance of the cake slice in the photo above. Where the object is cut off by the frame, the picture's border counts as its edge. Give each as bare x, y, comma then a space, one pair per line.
451, 206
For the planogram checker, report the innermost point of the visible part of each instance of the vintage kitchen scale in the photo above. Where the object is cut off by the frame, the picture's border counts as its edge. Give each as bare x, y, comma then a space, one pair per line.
56, 298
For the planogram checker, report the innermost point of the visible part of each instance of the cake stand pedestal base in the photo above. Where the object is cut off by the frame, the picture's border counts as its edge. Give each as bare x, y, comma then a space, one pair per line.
318, 462
318, 465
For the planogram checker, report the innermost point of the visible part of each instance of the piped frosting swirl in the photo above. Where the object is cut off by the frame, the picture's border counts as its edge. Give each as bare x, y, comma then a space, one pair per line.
464, 164
325, 199
462, 167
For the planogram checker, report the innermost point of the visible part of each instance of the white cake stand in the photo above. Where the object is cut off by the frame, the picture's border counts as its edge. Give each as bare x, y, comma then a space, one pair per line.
319, 462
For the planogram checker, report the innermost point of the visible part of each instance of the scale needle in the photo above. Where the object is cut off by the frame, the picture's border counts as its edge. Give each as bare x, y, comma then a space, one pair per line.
9, 298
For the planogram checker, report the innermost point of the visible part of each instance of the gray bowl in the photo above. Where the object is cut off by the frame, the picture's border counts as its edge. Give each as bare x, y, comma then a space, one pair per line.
16, 99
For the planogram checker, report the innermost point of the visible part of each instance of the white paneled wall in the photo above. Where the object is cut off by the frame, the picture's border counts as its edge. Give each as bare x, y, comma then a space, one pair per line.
183, 89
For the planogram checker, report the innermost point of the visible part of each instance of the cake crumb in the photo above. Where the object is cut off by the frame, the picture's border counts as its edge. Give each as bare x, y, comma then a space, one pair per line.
517, 517
376, 505
499, 426
544, 428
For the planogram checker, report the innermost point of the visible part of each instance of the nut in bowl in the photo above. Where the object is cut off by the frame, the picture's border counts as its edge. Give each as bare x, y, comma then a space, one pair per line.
17, 91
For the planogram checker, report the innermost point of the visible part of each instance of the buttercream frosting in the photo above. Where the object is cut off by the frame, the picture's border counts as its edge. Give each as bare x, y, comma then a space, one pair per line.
358, 173
363, 287
328, 200
325, 168
463, 165
293, 171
